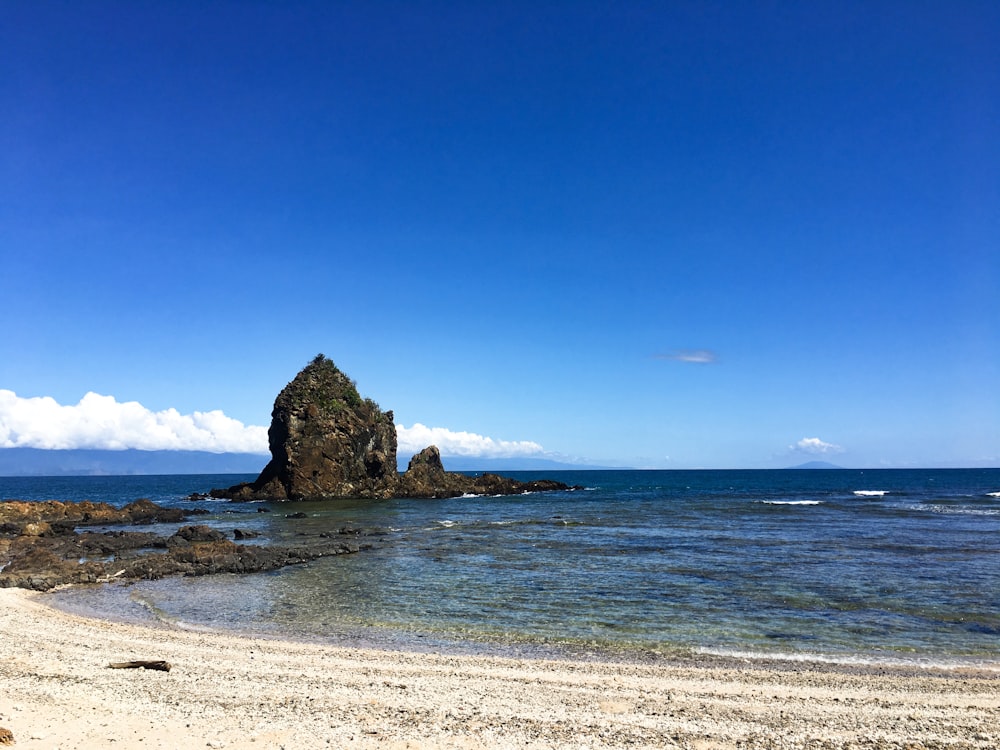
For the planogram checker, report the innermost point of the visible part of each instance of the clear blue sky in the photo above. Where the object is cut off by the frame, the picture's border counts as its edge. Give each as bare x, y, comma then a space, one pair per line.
653, 234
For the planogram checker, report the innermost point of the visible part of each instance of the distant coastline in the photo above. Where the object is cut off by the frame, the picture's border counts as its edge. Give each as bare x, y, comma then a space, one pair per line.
817, 465
37, 462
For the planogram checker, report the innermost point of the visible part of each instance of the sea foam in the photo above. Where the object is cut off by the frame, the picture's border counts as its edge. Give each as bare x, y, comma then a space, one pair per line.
792, 502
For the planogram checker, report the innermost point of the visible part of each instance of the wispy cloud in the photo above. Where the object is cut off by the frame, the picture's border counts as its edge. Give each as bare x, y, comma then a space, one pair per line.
691, 356
815, 447
101, 422
416, 438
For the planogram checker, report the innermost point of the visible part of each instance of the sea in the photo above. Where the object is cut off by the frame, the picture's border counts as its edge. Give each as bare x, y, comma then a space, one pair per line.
845, 566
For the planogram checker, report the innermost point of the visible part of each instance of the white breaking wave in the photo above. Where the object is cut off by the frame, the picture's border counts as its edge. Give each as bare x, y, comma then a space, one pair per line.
854, 659
792, 502
993, 494
956, 510
871, 493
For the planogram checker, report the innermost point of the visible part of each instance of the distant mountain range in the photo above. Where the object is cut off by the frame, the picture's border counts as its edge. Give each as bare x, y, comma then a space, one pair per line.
816, 465
471, 463
35, 462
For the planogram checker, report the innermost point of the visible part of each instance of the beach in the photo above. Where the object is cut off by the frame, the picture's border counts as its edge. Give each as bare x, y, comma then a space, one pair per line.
233, 691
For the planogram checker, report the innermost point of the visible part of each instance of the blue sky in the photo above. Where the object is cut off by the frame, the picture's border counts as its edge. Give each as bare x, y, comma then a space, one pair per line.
672, 235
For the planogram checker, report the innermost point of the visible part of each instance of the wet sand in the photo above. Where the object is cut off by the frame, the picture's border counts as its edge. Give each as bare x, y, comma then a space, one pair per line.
224, 690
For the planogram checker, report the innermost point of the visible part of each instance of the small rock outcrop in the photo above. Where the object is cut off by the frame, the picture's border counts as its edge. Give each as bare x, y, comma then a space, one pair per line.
327, 441
425, 477
50, 517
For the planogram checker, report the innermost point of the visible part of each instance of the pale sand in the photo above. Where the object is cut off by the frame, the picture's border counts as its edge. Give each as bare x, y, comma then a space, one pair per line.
241, 692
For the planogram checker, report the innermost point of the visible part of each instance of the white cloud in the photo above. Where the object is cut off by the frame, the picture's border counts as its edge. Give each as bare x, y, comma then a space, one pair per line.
815, 447
100, 422
414, 439
691, 356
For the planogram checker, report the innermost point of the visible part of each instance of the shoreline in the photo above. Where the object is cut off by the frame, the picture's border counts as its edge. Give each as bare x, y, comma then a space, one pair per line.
246, 691
388, 638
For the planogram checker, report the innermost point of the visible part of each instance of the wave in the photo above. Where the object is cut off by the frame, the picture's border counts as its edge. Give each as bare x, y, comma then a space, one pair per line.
956, 510
791, 502
993, 494
871, 493
944, 663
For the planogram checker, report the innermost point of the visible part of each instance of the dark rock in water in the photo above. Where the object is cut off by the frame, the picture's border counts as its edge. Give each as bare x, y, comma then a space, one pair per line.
86, 513
325, 441
33, 557
200, 534
425, 477
239, 534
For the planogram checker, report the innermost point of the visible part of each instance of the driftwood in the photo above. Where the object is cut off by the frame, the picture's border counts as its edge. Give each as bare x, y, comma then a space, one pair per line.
163, 666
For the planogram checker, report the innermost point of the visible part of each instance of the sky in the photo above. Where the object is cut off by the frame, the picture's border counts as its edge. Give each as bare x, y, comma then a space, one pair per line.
657, 235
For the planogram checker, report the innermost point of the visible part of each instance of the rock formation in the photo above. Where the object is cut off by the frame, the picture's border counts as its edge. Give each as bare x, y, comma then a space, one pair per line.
425, 477
40, 547
326, 441
29, 518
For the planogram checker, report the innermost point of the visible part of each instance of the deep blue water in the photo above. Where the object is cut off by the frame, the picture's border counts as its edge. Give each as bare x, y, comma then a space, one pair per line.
789, 562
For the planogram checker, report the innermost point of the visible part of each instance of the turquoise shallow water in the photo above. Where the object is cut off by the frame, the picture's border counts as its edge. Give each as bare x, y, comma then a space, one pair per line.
847, 565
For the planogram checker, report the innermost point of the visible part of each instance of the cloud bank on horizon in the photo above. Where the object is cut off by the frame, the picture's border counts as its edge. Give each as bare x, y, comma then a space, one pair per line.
102, 423
416, 438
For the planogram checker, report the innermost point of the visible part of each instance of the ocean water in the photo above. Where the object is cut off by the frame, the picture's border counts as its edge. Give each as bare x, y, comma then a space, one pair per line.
845, 565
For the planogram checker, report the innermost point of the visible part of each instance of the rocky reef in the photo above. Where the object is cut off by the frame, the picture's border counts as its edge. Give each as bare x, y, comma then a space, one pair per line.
40, 547
328, 441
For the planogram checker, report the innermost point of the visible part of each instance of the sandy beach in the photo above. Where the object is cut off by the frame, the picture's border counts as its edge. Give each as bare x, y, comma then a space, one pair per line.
244, 692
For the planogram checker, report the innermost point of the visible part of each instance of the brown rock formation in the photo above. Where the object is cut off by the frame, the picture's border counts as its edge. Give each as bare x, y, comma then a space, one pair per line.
425, 477
325, 441
38, 555
45, 518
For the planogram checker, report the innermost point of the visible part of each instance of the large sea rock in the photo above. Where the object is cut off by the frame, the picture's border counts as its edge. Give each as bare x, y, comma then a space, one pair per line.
325, 441
328, 441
